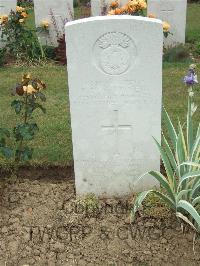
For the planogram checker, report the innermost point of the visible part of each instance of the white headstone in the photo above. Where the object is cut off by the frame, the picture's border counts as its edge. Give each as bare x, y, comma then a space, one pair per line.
98, 7
57, 13
115, 88
6, 6
174, 12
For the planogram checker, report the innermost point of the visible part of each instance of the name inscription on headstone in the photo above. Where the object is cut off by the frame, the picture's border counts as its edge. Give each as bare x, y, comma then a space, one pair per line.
122, 91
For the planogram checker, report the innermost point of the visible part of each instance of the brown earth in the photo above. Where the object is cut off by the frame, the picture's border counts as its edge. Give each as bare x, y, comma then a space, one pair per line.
42, 223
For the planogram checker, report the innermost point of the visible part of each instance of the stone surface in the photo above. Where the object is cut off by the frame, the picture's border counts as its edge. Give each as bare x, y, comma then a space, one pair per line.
57, 13
115, 95
6, 6
174, 12
100, 7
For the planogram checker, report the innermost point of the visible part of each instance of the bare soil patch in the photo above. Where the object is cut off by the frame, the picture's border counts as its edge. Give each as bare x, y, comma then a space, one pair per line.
42, 223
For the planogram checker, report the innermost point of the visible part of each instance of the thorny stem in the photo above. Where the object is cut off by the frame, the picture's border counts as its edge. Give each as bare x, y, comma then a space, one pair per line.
17, 159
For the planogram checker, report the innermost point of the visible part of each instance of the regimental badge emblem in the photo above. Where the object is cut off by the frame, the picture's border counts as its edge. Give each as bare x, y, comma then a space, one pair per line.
114, 53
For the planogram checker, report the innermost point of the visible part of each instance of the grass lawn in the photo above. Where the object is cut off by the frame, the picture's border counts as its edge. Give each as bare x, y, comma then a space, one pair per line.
193, 23
53, 143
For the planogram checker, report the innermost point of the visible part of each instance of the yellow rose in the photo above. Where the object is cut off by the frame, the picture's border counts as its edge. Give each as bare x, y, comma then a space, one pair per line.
40, 85
166, 26
26, 77
19, 9
29, 89
118, 11
131, 7
24, 14
114, 4
111, 12
3, 19
142, 4
45, 23
133, 2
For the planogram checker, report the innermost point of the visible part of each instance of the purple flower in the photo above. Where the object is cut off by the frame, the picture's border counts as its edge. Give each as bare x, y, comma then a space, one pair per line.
191, 78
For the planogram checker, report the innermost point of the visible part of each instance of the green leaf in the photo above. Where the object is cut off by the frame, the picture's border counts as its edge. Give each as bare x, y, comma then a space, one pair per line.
41, 96
180, 154
17, 105
185, 219
196, 189
138, 202
24, 154
29, 110
182, 193
141, 197
196, 201
6, 152
189, 128
164, 183
25, 131
172, 161
39, 106
4, 132
166, 199
170, 128
195, 153
198, 131
181, 145
170, 154
188, 176
196, 165
168, 168
189, 209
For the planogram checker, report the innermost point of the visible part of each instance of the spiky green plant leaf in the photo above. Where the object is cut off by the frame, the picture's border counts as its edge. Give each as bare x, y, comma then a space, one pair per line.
183, 204
170, 128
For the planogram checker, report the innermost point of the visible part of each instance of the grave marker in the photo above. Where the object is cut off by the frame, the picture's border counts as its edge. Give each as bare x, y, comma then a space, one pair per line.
99, 6
6, 6
174, 12
57, 13
115, 93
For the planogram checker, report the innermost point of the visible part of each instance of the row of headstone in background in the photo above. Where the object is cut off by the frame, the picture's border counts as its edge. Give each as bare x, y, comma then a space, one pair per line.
115, 91
172, 11
57, 12
60, 11
99, 7
6, 6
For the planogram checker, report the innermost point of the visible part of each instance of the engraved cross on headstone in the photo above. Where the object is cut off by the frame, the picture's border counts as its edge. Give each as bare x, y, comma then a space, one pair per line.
115, 127
167, 11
